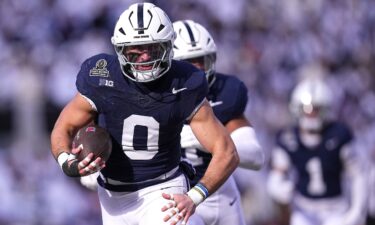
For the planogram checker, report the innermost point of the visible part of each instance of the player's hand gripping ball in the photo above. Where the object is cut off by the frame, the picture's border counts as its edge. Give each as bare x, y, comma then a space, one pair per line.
95, 139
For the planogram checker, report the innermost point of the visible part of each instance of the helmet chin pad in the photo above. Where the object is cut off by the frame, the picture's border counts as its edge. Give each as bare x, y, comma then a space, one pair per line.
142, 75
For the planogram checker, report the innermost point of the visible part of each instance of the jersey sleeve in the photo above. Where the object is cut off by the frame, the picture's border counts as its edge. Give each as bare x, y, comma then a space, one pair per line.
348, 151
232, 93
280, 159
88, 85
198, 89
240, 100
346, 134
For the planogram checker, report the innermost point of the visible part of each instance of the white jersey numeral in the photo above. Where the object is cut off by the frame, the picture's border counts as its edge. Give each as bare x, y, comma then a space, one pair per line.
316, 185
152, 137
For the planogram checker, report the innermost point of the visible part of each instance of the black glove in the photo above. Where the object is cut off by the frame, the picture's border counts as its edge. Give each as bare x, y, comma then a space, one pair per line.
71, 168
69, 164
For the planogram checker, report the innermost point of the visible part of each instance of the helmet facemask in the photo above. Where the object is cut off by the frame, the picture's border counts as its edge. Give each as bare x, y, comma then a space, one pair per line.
311, 104
144, 62
205, 63
312, 117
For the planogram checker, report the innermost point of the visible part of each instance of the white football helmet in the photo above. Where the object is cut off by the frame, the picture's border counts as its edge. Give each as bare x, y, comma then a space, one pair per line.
194, 41
146, 25
310, 103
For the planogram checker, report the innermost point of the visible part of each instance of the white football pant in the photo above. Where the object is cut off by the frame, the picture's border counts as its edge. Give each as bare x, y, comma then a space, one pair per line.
318, 212
222, 207
142, 207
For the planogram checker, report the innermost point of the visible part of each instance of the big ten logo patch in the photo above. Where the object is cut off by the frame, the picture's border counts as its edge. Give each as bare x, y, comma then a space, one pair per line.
105, 82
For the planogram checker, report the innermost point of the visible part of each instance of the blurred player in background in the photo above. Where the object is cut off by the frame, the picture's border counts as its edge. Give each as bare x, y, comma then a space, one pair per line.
228, 97
370, 220
314, 166
144, 98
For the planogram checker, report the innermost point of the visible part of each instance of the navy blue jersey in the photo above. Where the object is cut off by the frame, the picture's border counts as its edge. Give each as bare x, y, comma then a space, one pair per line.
318, 169
228, 99
144, 119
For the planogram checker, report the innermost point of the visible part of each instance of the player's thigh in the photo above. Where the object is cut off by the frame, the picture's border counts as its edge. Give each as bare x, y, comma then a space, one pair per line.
142, 207
153, 214
109, 219
195, 219
154, 201
118, 208
300, 218
223, 207
216, 212
230, 211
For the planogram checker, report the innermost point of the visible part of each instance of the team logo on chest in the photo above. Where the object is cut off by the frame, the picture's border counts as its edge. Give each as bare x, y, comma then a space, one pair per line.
100, 69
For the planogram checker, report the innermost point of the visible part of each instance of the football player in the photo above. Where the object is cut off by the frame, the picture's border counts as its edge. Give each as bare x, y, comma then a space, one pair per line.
228, 97
144, 98
312, 159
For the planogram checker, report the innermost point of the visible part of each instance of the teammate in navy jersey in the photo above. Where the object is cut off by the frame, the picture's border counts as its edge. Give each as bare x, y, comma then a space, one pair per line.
228, 97
312, 160
144, 98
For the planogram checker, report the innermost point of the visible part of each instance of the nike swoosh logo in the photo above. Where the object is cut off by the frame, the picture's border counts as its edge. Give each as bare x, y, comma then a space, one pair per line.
213, 104
233, 201
175, 91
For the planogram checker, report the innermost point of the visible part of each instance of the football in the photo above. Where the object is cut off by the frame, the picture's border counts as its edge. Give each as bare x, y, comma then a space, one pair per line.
95, 139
